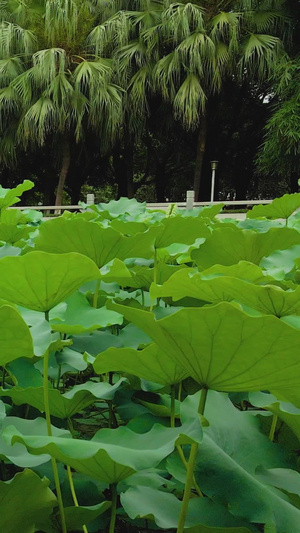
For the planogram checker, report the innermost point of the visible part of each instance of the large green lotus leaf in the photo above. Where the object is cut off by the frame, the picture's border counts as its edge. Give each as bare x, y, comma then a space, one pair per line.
242, 270
205, 529
111, 455
226, 467
63, 405
116, 269
17, 453
281, 262
260, 225
180, 230
282, 207
13, 234
151, 364
142, 276
15, 338
267, 299
132, 337
16, 216
40, 281
208, 212
24, 374
286, 411
281, 478
128, 228
102, 245
8, 250
164, 509
76, 316
228, 246
11, 196
122, 206
223, 348
26, 504
76, 517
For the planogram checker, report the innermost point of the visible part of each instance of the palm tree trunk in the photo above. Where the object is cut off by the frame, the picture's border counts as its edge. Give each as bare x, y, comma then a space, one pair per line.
66, 160
201, 143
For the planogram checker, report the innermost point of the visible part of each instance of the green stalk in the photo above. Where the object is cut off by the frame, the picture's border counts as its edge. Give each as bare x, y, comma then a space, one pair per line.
3, 377
72, 488
172, 419
154, 275
190, 471
273, 427
113, 515
179, 391
49, 431
95, 298
185, 463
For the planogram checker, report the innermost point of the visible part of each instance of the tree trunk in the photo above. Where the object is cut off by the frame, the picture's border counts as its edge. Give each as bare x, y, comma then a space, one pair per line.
294, 182
66, 160
128, 160
201, 143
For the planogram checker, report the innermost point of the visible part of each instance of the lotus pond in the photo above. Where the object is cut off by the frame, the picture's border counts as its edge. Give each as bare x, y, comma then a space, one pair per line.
150, 369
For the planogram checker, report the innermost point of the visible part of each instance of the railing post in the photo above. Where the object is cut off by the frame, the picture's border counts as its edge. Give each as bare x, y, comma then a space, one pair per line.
90, 199
190, 197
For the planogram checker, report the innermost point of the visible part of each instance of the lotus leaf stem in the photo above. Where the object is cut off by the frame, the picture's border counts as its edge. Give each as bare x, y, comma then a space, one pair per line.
114, 496
95, 298
72, 488
190, 470
172, 419
273, 427
49, 431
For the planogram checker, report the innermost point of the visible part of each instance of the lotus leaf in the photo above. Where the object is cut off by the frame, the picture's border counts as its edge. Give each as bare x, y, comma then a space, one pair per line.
282, 207
9, 197
63, 405
102, 245
286, 411
17, 453
111, 455
15, 338
228, 246
40, 501
232, 441
77, 516
77, 316
180, 230
164, 508
151, 364
40, 281
223, 348
267, 299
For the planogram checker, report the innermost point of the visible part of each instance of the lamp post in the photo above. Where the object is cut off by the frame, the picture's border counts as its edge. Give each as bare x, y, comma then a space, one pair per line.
214, 166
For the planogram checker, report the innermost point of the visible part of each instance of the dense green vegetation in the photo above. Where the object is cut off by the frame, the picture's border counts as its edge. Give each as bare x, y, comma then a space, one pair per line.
135, 98
149, 369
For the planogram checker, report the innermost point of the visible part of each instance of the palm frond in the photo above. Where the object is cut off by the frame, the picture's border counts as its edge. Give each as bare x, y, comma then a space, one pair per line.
166, 75
259, 54
41, 119
113, 32
189, 102
61, 21
180, 20
90, 75
47, 63
16, 40
24, 86
9, 69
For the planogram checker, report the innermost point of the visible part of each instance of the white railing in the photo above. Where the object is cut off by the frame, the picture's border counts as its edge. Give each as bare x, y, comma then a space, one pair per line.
188, 204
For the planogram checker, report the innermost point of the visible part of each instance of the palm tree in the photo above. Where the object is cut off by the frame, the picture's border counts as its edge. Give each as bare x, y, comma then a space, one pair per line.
280, 154
52, 87
185, 51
